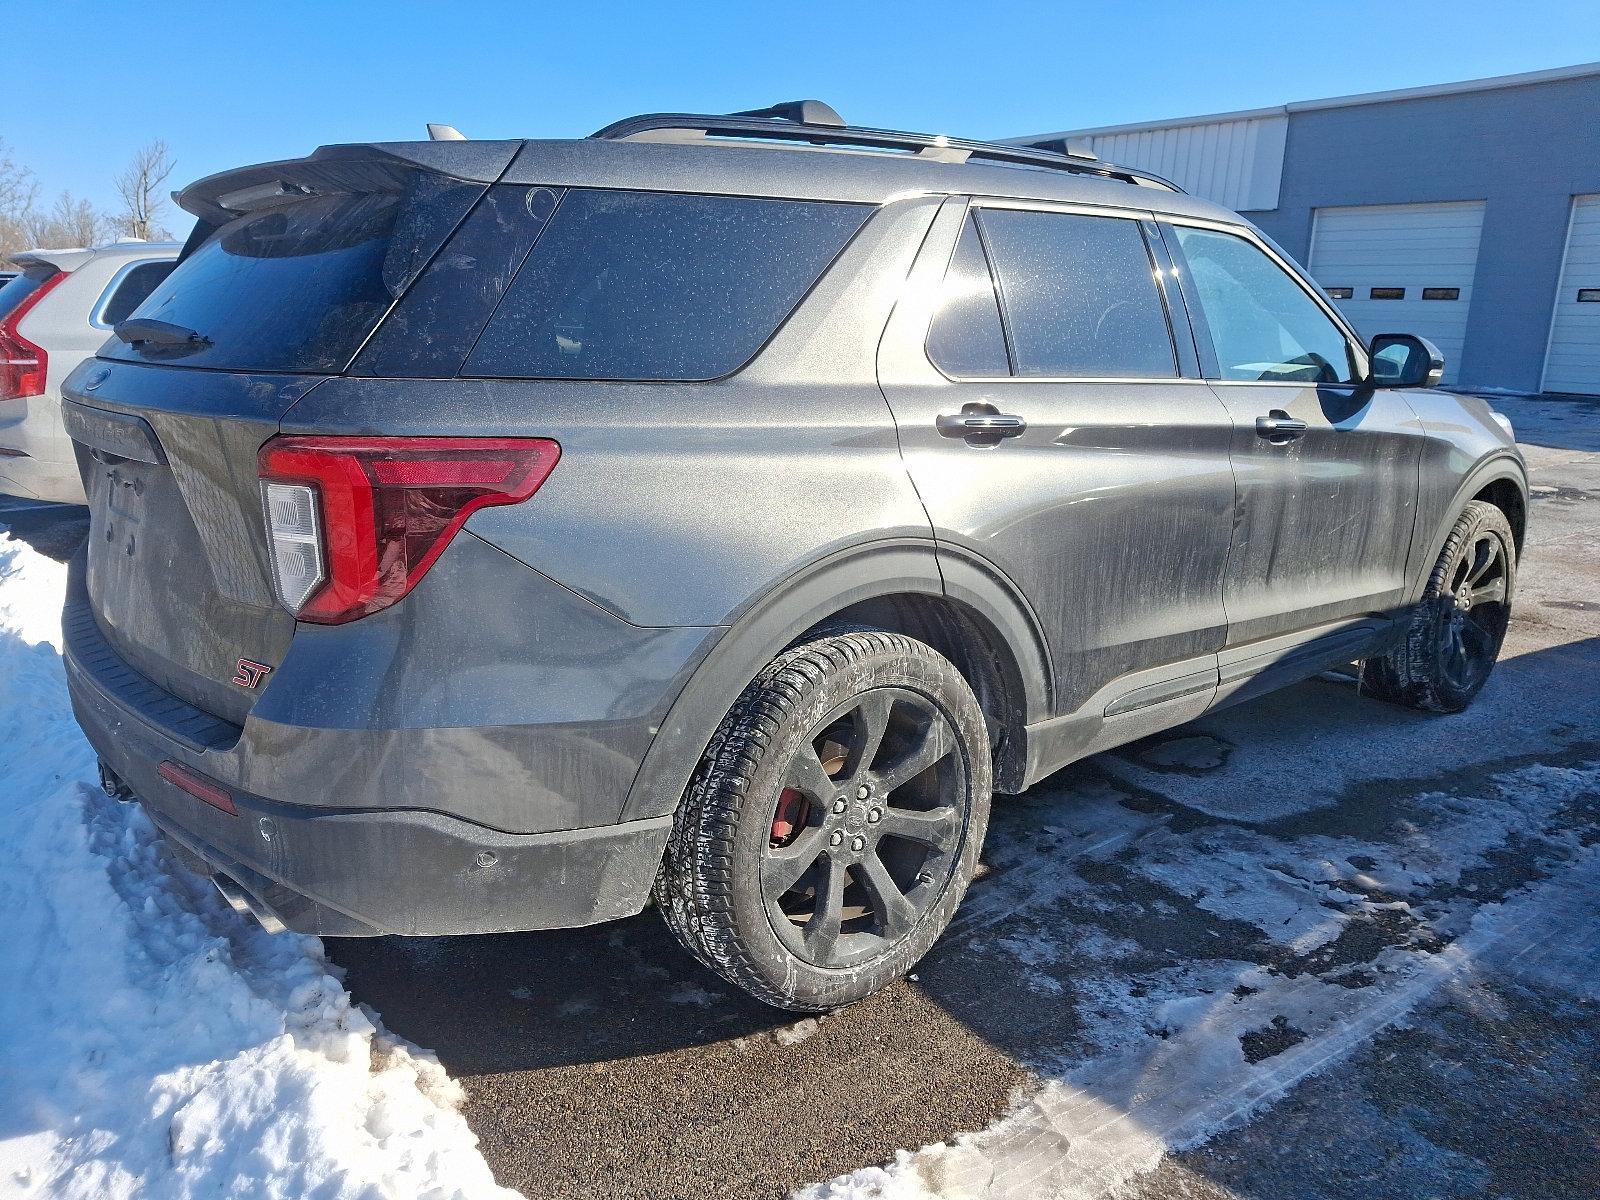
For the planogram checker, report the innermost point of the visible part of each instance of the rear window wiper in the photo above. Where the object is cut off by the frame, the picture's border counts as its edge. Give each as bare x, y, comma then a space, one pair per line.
145, 331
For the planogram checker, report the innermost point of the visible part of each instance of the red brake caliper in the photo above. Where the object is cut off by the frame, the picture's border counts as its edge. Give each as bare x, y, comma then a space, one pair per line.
789, 817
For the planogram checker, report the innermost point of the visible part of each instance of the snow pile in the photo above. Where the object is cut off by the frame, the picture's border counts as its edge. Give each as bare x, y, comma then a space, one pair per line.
152, 1043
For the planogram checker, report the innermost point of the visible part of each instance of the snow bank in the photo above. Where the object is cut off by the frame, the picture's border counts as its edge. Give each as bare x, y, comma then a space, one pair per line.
152, 1043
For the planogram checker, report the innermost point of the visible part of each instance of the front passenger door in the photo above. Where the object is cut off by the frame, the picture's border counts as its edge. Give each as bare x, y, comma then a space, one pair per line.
1326, 464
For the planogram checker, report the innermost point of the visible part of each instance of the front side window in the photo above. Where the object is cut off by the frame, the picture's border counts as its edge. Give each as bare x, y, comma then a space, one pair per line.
659, 286
1264, 326
1079, 294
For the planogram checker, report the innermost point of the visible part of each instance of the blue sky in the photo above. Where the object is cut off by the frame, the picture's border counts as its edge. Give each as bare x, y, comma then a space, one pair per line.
228, 84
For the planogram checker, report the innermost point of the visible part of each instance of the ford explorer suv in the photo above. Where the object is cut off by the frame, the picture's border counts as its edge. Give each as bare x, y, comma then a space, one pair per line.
54, 313
497, 535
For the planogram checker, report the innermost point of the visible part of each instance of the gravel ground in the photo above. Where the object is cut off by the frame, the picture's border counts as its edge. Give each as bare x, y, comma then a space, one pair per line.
1257, 956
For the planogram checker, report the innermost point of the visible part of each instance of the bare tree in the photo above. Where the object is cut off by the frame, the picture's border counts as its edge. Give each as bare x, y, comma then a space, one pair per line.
70, 222
18, 191
139, 188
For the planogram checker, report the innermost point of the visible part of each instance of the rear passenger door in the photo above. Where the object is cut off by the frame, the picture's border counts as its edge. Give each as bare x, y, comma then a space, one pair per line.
1057, 430
1326, 464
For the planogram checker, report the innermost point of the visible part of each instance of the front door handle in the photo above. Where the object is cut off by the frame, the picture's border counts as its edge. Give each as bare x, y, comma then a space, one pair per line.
981, 424
1279, 427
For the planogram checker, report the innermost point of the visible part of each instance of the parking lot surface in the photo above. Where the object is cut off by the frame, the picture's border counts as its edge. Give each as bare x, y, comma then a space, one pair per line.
1310, 946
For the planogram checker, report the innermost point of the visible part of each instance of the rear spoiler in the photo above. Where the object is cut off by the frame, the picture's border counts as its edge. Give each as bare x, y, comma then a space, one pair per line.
62, 260
369, 167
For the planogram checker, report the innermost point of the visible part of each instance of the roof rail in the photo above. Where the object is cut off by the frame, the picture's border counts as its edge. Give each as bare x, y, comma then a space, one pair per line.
815, 123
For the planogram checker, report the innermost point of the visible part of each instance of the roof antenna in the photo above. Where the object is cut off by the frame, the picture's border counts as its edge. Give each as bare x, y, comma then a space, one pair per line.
445, 133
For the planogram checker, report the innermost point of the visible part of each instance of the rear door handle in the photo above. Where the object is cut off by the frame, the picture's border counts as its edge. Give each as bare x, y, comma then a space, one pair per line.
980, 423
1279, 427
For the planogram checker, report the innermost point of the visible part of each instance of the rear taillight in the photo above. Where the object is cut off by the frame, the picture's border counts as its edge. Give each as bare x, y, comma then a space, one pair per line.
23, 365
356, 522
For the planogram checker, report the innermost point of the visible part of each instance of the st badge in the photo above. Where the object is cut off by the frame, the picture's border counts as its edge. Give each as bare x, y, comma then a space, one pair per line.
250, 674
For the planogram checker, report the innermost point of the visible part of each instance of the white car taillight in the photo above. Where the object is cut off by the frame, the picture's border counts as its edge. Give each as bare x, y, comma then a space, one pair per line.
295, 531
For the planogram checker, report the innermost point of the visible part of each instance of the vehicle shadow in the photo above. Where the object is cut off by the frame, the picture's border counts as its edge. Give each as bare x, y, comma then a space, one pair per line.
54, 530
525, 1001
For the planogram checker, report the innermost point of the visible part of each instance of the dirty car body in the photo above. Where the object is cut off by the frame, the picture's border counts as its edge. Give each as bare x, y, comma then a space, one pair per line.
828, 407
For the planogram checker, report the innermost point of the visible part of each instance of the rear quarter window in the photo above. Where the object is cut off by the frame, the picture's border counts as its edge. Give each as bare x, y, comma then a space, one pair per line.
129, 290
658, 286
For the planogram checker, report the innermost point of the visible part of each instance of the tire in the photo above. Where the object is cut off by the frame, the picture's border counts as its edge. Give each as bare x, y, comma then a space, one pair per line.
1454, 635
859, 764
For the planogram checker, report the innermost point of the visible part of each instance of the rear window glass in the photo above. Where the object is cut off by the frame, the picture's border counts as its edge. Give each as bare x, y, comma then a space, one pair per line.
14, 291
132, 289
658, 286
299, 287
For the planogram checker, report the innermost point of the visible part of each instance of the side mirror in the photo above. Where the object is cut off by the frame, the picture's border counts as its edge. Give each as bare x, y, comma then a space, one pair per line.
1404, 360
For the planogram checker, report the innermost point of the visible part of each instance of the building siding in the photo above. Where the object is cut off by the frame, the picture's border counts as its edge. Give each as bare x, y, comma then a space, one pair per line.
1525, 151
1235, 162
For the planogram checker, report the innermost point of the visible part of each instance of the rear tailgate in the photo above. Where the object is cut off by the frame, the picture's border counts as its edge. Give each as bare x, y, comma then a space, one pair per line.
177, 571
270, 298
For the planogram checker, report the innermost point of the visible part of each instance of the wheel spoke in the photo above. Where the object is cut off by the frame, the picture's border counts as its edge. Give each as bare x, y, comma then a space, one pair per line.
872, 722
1475, 640
783, 866
808, 775
1493, 592
893, 912
1484, 555
937, 742
821, 932
1452, 653
937, 827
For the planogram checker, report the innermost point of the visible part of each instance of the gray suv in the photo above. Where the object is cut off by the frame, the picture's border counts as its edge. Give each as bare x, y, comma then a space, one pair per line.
495, 535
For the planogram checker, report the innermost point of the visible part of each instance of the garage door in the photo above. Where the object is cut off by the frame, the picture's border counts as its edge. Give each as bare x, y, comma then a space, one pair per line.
1573, 364
1401, 268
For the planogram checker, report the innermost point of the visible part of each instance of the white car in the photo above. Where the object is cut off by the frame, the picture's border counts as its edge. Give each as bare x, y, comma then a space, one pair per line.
57, 311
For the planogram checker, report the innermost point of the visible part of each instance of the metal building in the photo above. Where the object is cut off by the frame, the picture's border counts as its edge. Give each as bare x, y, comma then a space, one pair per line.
1466, 212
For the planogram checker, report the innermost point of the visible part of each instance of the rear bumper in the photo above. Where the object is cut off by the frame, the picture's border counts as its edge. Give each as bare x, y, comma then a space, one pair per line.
36, 458
336, 845
363, 873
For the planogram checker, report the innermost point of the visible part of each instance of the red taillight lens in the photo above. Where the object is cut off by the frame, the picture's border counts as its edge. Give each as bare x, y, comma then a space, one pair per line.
356, 522
23, 365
